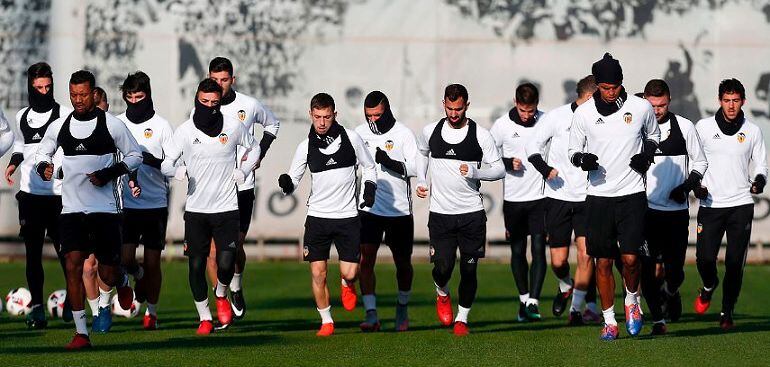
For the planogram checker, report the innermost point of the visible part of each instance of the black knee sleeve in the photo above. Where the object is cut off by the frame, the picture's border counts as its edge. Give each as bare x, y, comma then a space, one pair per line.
442, 271
468, 280
197, 277
538, 268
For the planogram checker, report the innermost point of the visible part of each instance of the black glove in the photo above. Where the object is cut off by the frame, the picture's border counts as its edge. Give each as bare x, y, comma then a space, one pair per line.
60, 173
700, 192
679, 193
540, 165
134, 177
284, 181
508, 164
41, 170
264, 144
16, 159
759, 184
382, 158
640, 163
105, 175
151, 160
586, 161
369, 190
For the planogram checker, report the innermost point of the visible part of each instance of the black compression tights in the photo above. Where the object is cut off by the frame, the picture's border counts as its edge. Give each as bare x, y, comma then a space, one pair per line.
197, 273
33, 243
442, 272
520, 269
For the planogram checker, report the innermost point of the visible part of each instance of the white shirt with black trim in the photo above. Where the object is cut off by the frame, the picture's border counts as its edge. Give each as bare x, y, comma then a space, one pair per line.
6, 135
511, 139
29, 181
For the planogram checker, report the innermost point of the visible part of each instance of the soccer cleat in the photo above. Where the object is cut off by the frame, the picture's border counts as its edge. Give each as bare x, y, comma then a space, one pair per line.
560, 301
460, 328
533, 313
609, 332
444, 310
224, 311
103, 321
36, 318
125, 297
703, 300
327, 329
150, 322
371, 323
575, 319
79, 341
205, 327
633, 319
726, 321
659, 328
674, 306
238, 304
522, 316
348, 295
591, 317
402, 318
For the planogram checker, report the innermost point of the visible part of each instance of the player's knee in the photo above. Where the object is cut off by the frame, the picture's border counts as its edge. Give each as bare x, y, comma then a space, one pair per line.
630, 261
76, 268
559, 263
468, 266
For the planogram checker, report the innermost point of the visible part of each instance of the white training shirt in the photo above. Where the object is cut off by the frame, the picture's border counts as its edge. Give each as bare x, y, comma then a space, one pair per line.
614, 139
394, 193
511, 139
6, 135
551, 141
333, 191
210, 163
151, 135
79, 195
671, 169
728, 178
29, 181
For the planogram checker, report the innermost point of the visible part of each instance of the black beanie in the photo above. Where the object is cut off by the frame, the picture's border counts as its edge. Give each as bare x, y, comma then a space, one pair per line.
607, 70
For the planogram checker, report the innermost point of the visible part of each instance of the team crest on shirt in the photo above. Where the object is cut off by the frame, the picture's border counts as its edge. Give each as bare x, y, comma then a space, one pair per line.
432, 251
389, 145
185, 246
223, 138
242, 115
305, 251
741, 137
628, 117
700, 228
147, 133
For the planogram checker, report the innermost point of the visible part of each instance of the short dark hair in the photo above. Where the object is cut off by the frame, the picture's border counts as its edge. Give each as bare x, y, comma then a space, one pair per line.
527, 94
453, 92
585, 86
99, 91
732, 85
657, 88
208, 85
39, 70
374, 98
83, 76
219, 63
321, 101
136, 82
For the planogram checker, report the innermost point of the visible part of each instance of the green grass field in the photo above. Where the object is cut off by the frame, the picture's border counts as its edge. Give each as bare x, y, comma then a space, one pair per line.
281, 321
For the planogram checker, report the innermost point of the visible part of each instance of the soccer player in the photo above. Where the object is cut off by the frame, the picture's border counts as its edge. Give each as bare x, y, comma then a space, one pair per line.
523, 205
249, 111
394, 148
460, 155
39, 200
208, 143
614, 137
731, 143
145, 217
100, 99
90, 221
679, 168
565, 210
331, 153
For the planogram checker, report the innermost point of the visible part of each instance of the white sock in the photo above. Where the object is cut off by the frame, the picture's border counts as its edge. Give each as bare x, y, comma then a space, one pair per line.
609, 316
81, 323
203, 309
94, 305
707, 289
152, 309
532, 301
370, 302
441, 291
104, 298
221, 290
462, 314
565, 284
523, 298
592, 306
403, 297
578, 299
235, 284
326, 315
631, 298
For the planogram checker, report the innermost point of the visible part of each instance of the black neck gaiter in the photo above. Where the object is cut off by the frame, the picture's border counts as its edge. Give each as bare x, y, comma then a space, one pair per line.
141, 111
322, 141
729, 127
207, 119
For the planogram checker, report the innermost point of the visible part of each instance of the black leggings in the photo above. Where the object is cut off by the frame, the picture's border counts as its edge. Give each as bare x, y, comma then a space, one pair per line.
38, 214
197, 272
442, 272
520, 268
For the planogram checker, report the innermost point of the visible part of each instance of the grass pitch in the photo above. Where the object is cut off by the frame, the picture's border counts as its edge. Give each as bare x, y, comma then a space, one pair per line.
281, 321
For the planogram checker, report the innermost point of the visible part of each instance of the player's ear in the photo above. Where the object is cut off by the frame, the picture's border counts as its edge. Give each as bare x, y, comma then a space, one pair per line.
335, 115
233, 78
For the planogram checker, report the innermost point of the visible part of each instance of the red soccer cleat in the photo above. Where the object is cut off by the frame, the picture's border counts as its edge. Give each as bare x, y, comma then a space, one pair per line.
460, 329
150, 322
444, 310
348, 295
125, 297
224, 312
205, 327
702, 302
326, 329
79, 341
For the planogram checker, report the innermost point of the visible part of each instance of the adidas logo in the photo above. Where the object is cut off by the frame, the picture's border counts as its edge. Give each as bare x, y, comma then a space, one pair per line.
450, 152
515, 134
716, 136
600, 121
331, 162
231, 245
36, 137
80, 147
196, 141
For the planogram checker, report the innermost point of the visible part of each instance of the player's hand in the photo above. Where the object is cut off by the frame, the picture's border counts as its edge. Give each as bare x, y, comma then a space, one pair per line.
259, 164
517, 165
589, 162
381, 156
552, 175
95, 179
640, 163
370, 190
758, 185
422, 192
238, 176
8, 173
701, 192
286, 184
181, 173
679, 194
45, 170
464, 170
135, 189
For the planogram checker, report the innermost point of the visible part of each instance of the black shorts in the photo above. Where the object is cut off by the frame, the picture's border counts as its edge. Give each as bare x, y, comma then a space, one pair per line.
321, 232
448, 232
145, 226
201, 228
562, 218
615, 220
714, 223
94, 233
664, 230
523, 218
398, 231
39, 214
245, 208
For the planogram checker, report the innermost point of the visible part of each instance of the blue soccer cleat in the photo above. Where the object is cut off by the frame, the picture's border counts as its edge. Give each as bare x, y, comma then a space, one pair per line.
609, 332
103, 321
634, 320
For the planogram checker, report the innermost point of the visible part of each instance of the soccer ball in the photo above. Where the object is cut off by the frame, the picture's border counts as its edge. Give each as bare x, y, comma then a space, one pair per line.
56, 303
117, 310
17, 302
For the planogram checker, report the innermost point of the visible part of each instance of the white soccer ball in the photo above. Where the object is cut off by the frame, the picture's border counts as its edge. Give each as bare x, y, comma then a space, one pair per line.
117, 310
56, 303
17, 302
